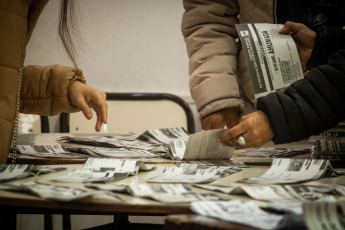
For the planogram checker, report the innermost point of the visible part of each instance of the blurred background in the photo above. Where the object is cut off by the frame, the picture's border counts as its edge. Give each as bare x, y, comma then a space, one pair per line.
127, 46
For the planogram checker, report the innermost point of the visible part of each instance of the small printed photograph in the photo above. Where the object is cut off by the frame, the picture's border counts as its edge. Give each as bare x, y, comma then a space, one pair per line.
190, 171
244, 33
106, 169
40, 148
295, 165
168, 133
3, 167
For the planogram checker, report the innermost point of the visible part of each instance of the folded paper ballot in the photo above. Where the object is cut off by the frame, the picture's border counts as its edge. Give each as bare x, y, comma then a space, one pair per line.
272, 58
165, 193
175, 141
287, 171
201, 146
101, 170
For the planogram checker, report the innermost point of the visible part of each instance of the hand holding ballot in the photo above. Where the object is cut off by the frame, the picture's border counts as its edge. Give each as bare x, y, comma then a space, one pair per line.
254, 127
304, 38
306, 105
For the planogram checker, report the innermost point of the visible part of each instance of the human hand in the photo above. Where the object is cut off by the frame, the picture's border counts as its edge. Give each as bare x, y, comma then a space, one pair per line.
254, 127
85, 97
304, 38
225, 117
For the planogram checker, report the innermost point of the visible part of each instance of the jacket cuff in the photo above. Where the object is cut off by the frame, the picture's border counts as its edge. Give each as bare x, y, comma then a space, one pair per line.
221, 104
271, 106
77, 77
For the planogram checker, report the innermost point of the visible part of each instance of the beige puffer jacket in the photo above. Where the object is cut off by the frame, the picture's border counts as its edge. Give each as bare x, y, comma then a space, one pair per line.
44, 89
219, 77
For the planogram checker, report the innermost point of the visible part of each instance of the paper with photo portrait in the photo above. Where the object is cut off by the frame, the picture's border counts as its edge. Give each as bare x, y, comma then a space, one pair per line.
285, 171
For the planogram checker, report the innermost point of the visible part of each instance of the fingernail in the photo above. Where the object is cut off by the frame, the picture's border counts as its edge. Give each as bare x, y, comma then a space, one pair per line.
218, 140
88, 115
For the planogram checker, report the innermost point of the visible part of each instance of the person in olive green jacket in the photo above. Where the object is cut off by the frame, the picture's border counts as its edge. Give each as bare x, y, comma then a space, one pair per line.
42, 90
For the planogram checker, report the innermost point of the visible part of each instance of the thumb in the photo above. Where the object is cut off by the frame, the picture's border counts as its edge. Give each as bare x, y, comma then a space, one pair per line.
288, 26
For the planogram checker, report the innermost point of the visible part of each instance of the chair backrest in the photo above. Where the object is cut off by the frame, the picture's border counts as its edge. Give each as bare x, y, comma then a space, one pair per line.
29, 123
135, 112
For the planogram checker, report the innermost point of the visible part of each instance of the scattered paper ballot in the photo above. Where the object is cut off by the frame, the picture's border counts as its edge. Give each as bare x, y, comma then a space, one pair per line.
165, 193
52, 192
118, 165
282, 193
212, 163
10, 172
169, 193
201, 146
42, 148
49, 151
324, 215
109, 187
167, 135
285, 170
112, 141
193, 173
105, 170
219, 188
294, 207
290, 193
113, 152
270, 152
17, 171
237, 211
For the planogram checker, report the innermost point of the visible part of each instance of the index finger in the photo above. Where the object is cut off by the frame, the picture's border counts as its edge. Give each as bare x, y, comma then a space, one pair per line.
102, 116
231, 133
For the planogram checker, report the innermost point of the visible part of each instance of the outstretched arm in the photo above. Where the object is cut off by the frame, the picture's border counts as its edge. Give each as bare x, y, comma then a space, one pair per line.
51, 90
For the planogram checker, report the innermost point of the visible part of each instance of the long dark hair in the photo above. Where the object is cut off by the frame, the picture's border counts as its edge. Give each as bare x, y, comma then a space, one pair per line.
68, 29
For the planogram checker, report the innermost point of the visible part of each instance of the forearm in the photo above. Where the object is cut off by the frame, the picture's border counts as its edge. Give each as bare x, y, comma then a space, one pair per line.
309, 106
210, 36
45, 89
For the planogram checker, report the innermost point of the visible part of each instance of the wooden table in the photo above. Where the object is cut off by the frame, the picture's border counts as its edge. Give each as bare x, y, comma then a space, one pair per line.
179, 215
12, 203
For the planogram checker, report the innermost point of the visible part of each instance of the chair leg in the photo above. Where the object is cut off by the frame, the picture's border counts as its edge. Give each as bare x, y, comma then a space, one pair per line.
66, 222
121, 221
8, 220
48, 222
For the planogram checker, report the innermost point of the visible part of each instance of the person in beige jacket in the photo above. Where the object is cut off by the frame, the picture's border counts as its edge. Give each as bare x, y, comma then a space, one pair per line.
42, 90
218, 76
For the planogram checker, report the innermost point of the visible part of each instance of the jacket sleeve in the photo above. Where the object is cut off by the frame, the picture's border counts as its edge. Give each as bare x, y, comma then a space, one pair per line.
328, 40
45, 89
208, 27
310, 105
